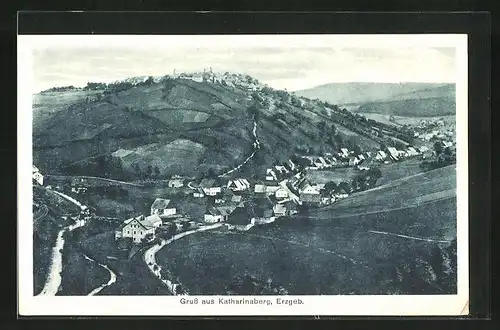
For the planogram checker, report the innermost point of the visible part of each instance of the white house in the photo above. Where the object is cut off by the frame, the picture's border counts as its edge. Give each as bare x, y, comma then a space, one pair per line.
393, 152
282, 169
281, 193
292, 165
218, 213
279, 210
309, 194
238, 184
344, 152
37, 176
210, 187
323, 161
270, 175
412, 152
176, 183
137, 228
163, 207
381, 155
198, 77
260, 188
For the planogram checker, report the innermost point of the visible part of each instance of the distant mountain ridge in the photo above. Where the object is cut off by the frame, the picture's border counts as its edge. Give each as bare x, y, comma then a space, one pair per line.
363, 92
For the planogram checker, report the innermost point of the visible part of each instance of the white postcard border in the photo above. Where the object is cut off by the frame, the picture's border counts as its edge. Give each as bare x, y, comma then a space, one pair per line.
171, 305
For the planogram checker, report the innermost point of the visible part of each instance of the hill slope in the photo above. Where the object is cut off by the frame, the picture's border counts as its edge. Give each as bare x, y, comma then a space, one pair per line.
362, 92
180, 126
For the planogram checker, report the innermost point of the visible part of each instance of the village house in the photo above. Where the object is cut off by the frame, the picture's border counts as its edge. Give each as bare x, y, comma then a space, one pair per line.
381, 155
323, 162
263, 210
344, 152
176, 183
198, 77
218, 213
411, 152
308, 193
210, 187
292, 165
279, 210
260, 188
393, 153
163, 208
139, 228
240, 218
271, 175
199, 193
37, 176
281, 193
281, 169
238, 185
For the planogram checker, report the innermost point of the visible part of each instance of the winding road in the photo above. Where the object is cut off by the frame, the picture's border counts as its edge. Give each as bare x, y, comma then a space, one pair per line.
256, 146
150, 260
53, 282
54, 279
112, 277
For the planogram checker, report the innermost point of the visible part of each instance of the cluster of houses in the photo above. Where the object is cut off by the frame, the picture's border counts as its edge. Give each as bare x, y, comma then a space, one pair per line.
229, 79
144, 228
346, 157
37, 176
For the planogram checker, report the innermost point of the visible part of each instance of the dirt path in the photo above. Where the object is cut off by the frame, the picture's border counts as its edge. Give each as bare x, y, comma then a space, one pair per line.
256, 146
409, 237
53, 281
150, 260
112, 277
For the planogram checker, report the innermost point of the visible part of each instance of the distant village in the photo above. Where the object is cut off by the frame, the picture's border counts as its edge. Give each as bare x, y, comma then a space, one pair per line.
283, 191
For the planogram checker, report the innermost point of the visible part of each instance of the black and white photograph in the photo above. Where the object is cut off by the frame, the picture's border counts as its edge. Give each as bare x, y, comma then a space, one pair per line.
215, 174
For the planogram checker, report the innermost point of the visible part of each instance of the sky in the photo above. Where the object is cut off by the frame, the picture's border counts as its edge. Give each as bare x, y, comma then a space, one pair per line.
292, 67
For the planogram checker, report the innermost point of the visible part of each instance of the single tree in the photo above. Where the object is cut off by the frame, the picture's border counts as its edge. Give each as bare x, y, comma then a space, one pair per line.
157, 172
438, 147
149, 171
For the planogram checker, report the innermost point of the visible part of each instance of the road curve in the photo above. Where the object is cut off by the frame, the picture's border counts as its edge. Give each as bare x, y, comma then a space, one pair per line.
112, 277
150, 260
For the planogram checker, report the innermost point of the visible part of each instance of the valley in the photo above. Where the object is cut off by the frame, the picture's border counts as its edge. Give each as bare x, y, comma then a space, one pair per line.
298, 194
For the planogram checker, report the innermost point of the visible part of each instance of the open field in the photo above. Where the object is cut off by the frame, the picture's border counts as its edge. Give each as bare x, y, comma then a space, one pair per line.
398, 170
323, 257
399, 193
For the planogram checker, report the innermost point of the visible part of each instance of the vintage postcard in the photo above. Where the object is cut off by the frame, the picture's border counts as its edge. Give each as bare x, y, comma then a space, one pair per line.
243, 175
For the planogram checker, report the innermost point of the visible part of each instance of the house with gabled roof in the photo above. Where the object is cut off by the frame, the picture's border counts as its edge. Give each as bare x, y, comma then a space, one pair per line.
393, 153
163, 208
139, 228
239, 184
271, 175
211, 187
218, 213
176, 183
241, 218
381, 155
37, 176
